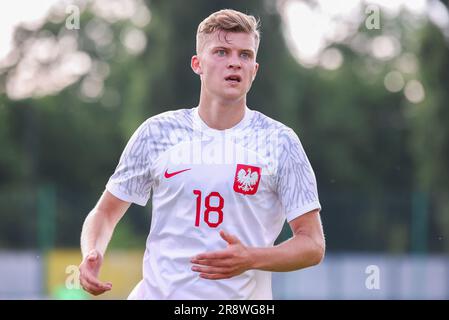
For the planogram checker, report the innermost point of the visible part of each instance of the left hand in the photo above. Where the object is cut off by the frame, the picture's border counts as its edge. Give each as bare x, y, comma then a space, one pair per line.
223, 264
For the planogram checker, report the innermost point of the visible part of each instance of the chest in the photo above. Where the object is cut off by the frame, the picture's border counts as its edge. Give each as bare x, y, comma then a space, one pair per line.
207, 167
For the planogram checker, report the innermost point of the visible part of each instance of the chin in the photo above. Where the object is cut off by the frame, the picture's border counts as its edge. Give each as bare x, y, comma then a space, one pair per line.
232, 97
233, 93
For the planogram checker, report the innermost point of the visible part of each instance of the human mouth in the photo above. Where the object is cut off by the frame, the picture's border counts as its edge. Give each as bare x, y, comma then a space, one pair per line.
233, 78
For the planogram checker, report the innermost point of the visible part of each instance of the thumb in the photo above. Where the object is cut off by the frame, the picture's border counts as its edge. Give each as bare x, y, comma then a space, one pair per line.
92, 256
229, 238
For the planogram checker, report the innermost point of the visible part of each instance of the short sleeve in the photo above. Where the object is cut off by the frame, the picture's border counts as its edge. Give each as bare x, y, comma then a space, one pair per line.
295, 180
132, 180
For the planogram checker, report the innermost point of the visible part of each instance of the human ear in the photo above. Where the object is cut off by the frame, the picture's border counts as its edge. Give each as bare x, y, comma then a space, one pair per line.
195, 65
255, 70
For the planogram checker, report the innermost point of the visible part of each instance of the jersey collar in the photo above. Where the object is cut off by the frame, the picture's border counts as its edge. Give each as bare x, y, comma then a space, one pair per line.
200, 125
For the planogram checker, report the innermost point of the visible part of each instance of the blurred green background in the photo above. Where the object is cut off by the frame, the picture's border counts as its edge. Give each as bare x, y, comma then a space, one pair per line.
363, 84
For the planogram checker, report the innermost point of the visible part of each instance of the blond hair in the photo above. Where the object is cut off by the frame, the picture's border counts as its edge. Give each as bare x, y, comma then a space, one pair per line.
227, 20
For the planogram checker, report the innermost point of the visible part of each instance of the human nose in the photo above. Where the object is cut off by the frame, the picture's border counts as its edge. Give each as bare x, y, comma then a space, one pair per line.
234, 62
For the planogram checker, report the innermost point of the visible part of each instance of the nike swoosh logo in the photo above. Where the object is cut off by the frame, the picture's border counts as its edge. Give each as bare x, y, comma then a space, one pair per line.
169, 175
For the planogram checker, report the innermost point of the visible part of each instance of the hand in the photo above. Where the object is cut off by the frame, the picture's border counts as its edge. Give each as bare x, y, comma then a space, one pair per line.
89, 269
224, 264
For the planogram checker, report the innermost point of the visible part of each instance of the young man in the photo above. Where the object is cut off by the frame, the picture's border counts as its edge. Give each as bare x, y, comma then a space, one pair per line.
224, 178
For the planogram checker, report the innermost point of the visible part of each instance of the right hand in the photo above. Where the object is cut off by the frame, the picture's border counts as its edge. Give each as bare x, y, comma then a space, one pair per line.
89, 270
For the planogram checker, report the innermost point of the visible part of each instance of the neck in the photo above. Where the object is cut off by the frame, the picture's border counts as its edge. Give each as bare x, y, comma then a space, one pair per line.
221, 115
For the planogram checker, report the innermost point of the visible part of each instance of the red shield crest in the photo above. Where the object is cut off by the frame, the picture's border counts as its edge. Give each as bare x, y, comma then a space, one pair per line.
246, 179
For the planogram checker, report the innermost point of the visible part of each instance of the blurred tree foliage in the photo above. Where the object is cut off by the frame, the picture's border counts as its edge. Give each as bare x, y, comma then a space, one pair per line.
371, 149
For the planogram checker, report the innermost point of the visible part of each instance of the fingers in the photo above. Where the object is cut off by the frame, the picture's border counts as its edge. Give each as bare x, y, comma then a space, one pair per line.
212, 262
91, 288
210, 270
213, 273
222, 254
96, 283
93, 285
229, 238
89, 270
214, 269
89, 281
222, 264
215, 276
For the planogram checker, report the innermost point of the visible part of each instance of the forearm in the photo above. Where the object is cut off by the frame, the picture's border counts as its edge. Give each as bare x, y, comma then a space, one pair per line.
300, 251
96, 233
100, 223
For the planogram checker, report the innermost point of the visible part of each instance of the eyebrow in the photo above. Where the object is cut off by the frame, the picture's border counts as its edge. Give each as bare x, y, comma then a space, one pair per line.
251, 51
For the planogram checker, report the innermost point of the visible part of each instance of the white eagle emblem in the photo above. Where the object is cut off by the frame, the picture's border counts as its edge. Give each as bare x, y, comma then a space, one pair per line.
247, 179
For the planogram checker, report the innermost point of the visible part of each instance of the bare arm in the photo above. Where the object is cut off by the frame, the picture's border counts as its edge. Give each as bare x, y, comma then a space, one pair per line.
100, 223
95, 236
304, 249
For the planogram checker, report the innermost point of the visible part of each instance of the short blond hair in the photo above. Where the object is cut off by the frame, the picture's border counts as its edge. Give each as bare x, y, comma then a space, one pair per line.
227, 20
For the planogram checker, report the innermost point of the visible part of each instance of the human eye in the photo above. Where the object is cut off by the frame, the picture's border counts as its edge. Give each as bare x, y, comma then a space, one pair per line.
220, 52
245, 55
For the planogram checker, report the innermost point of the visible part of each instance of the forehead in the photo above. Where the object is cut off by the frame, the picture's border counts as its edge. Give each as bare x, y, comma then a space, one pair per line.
234, 40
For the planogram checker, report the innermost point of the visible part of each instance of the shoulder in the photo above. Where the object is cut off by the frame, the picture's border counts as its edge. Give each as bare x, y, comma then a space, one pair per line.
172, 116
169, 120
272, 128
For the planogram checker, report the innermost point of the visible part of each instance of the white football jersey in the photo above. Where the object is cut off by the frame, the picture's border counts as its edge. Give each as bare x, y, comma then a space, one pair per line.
246, 180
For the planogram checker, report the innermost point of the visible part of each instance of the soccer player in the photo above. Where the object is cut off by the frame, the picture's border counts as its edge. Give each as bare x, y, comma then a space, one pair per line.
223, 177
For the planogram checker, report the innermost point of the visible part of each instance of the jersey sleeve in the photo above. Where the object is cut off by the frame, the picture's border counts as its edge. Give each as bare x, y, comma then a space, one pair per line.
295, 180
132, 180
